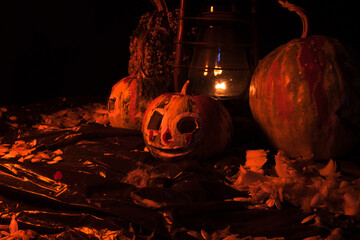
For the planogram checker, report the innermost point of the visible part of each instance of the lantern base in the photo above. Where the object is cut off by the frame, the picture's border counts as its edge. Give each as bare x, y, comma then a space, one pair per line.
245, 128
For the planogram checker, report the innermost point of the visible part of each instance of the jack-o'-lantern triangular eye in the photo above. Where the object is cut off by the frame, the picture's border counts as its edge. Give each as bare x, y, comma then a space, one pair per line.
187, 125
155, 121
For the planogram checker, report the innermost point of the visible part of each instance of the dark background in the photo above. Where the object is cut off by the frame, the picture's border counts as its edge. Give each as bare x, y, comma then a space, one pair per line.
80, 48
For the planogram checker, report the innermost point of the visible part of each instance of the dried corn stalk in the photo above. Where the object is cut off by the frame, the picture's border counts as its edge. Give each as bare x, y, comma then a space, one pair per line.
152, 43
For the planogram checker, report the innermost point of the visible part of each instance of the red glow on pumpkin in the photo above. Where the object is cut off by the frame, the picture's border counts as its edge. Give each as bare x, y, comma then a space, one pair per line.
274, 79
312, 63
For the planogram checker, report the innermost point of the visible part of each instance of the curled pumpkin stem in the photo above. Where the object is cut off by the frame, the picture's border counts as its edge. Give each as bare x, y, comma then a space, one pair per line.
299, 11
184, 88
160, 5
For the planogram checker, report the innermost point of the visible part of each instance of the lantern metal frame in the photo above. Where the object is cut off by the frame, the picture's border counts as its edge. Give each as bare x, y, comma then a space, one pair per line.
180, 42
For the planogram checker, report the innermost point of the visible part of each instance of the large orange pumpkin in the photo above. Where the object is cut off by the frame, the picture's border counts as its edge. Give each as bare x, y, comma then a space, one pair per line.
178, 126
300, 94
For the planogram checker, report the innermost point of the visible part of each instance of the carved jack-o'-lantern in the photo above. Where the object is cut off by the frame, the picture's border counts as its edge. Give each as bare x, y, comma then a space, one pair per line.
178, 126
130, 98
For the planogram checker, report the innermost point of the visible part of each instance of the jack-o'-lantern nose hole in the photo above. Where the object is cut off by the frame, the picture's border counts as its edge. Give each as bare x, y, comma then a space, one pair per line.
187, 125
167, 136
155, 121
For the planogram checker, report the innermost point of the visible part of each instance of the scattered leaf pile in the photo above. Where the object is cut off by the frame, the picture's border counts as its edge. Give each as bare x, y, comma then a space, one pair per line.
314, 187
69, 118
311, 186
12, 231
73, 117
224, 234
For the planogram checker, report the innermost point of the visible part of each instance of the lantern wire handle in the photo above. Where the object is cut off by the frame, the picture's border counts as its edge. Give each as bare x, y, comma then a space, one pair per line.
292, 7
178, 46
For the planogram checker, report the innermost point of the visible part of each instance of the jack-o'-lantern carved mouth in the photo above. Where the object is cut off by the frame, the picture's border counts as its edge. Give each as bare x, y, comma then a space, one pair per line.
173, 154
176, 151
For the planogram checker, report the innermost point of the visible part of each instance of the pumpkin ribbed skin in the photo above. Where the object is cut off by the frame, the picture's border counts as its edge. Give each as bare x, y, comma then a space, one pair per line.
129, 100
296, 94
187, 126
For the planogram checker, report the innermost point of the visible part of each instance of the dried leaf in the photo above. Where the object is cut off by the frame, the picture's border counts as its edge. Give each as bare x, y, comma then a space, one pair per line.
146, 202
247, 177
58, 152
308, 218
14, 125
205, 235
41, 126
255, 159
351, 204
55, 160
35, 159
270, 202
13, 227
19, 143
318, 221
221, 234
58, 158
336, 234
324, 190
284, 166
33, 143
317, 200
329, 169
317, 237
344, 184
235, 237
11, 154
29, 156
43, 155
195, 234
13, 118
278, 204
3, 149
4, 233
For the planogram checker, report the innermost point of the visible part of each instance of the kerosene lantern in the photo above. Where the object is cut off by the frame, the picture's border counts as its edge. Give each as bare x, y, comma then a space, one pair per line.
225, 51
221, 65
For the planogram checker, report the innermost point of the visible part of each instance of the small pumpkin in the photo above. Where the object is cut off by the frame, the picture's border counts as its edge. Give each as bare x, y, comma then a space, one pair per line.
130, 98
300, 93
150, 71
178, 126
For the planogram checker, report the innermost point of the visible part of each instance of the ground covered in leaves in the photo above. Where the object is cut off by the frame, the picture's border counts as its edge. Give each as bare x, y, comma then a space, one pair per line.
65, 174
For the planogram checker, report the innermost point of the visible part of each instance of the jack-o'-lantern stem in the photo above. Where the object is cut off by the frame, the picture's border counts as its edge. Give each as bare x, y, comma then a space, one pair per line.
300, 12
184, 88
